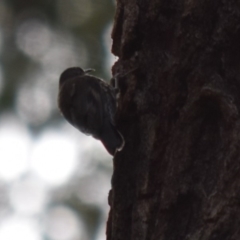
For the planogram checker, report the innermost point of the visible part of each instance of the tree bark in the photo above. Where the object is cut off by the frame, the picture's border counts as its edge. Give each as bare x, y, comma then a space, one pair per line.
178, 176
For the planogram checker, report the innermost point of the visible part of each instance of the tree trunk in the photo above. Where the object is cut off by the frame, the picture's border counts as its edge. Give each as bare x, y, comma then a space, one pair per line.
178, 176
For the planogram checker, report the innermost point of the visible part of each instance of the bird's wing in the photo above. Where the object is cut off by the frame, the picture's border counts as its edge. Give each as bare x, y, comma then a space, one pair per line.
87, 107
65, 98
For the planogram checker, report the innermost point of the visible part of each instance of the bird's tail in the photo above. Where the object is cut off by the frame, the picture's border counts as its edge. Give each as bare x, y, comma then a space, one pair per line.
112, 139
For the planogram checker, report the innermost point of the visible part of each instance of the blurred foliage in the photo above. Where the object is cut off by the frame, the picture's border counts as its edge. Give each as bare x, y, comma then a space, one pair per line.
38, 40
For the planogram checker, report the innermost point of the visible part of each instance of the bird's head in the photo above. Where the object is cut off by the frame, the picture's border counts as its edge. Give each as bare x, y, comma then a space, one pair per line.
72, 73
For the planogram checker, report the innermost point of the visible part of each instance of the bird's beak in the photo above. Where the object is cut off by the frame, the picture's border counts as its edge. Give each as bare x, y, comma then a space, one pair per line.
89, 70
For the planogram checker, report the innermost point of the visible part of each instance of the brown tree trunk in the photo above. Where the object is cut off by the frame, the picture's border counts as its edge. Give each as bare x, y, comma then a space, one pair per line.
178, 176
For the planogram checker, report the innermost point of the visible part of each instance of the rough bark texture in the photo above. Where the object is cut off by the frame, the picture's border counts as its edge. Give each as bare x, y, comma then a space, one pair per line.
178, 176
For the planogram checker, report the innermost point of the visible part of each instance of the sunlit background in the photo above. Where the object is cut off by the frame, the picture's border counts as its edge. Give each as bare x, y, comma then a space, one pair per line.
54, 181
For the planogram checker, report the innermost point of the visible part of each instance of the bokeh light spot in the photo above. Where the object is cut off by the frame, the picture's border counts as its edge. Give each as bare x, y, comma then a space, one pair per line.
19, 228
54, 157
14, 149
62, 223
33, 105
94, 190
28, 196
33, 38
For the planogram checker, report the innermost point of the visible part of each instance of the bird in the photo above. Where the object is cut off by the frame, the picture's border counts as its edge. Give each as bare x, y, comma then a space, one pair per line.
89, 104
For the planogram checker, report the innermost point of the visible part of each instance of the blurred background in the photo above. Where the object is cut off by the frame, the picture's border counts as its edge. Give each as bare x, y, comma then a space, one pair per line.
54, 181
